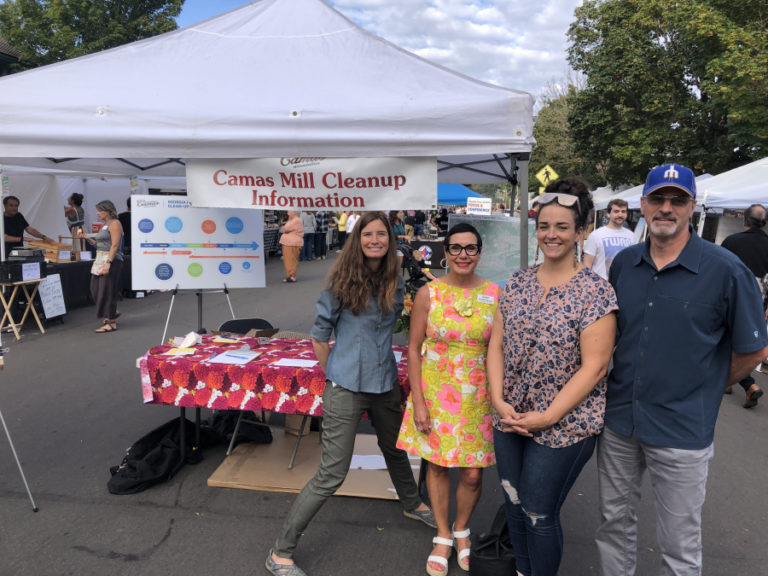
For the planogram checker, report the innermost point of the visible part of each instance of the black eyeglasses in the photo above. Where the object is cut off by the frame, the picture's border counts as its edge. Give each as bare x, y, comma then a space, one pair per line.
470, 249
660, 199
566, 200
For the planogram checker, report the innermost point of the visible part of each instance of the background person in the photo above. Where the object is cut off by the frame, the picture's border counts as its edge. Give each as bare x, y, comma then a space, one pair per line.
308, 223
751, 246
398, 226
321, 234
16, 225
603, 244
351, 221
341, 227
291, 242
105, 282
550, 346
690, 323
74, 212
125, 221
359, 308
447, 420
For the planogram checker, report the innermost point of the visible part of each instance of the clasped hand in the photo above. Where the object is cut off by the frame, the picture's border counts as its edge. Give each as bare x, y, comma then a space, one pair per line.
523, 423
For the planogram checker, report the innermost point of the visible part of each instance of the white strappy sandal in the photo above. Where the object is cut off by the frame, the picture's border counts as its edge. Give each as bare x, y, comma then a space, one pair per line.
462, 555
443, 571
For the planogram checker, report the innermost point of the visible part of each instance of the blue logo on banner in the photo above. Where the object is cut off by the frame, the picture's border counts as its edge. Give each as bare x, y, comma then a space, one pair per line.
225, 268
246, 265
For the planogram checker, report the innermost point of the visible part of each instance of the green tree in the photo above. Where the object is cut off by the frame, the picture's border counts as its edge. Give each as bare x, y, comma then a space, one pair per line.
681, 81
554, 145
47, 31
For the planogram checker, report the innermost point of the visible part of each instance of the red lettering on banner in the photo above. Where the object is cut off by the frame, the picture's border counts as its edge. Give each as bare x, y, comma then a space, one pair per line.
222, 178
333, 200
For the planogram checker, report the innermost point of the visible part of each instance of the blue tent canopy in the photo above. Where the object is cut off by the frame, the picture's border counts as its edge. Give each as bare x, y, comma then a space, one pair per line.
455, 194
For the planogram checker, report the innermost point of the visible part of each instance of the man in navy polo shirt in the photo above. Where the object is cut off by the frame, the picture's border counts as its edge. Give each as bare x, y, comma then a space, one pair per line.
690, 324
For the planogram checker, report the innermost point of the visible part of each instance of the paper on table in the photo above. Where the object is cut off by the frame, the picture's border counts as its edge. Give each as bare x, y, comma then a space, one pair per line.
295, 363
368, 462
225, 339
179, 352
234, 357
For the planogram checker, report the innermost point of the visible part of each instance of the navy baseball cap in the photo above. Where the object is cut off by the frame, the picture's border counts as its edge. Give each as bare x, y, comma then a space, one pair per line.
671, 176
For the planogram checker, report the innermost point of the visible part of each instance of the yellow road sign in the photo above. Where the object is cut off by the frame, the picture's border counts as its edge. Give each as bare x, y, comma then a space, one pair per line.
546, 175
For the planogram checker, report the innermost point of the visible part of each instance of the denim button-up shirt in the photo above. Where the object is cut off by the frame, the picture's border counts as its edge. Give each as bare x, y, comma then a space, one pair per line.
361, 360
677, 329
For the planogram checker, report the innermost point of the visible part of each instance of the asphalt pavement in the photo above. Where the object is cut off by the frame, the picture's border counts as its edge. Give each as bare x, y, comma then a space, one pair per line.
72, 402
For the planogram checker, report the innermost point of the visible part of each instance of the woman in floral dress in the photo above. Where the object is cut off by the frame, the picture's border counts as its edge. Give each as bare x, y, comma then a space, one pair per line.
448, 417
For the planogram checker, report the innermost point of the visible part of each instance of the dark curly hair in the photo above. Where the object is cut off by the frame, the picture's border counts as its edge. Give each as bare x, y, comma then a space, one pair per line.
575, 187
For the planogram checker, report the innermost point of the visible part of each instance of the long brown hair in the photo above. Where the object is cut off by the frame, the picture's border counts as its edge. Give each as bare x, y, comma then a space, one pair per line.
353, 283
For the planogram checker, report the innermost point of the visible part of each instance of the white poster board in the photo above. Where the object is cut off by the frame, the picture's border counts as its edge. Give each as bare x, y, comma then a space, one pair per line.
52, 296
174, 244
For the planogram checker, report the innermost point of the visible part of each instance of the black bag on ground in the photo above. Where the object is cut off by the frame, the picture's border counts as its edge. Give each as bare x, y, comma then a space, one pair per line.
491, 553
223, 423
153, 459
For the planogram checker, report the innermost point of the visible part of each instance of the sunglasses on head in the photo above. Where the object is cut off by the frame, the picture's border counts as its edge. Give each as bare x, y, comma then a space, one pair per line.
567, 200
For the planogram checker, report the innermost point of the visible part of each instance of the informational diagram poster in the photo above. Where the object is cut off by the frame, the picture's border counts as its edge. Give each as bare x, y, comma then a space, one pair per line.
174, 244
501, 244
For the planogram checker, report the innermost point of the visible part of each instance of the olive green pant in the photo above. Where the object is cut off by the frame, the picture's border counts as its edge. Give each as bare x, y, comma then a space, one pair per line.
342, 412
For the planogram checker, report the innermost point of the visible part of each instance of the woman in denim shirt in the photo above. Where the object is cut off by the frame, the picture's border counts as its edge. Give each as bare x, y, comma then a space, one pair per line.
363, 300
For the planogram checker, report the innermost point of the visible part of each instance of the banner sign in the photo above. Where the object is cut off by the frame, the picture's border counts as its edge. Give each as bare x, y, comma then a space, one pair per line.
313, 183
479, 205
174, 244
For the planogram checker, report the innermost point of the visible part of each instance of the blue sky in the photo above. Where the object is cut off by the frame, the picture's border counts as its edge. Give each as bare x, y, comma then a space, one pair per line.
513, 43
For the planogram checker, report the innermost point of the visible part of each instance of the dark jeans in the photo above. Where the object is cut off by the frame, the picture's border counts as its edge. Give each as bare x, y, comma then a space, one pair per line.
321, 244
306, 251
536, 480
342, 238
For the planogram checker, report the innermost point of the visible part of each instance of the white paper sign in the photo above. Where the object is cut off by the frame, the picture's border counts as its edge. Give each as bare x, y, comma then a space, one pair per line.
479, 205
313, 183
174, 244
52, 296
85, 255
30, 271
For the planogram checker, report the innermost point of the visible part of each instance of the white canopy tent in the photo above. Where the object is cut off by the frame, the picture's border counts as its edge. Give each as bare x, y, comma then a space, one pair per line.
271, 79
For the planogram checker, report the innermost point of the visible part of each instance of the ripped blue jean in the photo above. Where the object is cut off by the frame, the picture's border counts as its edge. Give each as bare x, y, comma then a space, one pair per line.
536, 479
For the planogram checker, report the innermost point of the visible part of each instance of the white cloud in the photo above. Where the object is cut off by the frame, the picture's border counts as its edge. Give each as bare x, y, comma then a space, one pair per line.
511, 43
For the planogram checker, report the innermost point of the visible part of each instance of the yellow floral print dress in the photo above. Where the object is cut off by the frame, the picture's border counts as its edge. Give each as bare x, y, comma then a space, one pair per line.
453, 378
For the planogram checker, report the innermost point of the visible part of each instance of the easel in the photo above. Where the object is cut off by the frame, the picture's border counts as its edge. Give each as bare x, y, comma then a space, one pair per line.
13, 449
200, 330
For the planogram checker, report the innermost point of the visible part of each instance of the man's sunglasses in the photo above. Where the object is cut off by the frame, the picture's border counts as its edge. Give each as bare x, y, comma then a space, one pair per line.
567, 200
660, 199
470, 249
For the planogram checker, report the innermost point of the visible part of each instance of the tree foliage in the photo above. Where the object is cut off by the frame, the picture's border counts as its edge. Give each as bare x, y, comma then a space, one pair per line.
47, 31
683, 81
554, 144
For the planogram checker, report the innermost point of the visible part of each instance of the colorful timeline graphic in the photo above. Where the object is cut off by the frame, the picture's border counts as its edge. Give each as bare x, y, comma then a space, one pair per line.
174, 225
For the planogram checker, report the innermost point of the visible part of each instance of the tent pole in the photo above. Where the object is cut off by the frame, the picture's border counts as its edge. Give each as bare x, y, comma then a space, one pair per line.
523, 193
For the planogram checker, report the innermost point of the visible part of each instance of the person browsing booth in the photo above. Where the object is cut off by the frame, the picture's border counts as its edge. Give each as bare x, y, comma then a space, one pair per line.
690, 323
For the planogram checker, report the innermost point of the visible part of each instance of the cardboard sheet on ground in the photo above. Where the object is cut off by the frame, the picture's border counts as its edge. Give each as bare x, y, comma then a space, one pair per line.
265, 467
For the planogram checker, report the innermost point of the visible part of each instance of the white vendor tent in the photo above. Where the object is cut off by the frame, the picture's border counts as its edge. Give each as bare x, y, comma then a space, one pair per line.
737, 188
271, 79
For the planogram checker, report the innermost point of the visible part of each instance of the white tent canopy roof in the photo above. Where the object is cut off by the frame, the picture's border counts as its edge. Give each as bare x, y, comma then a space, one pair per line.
272, 79
736, 189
